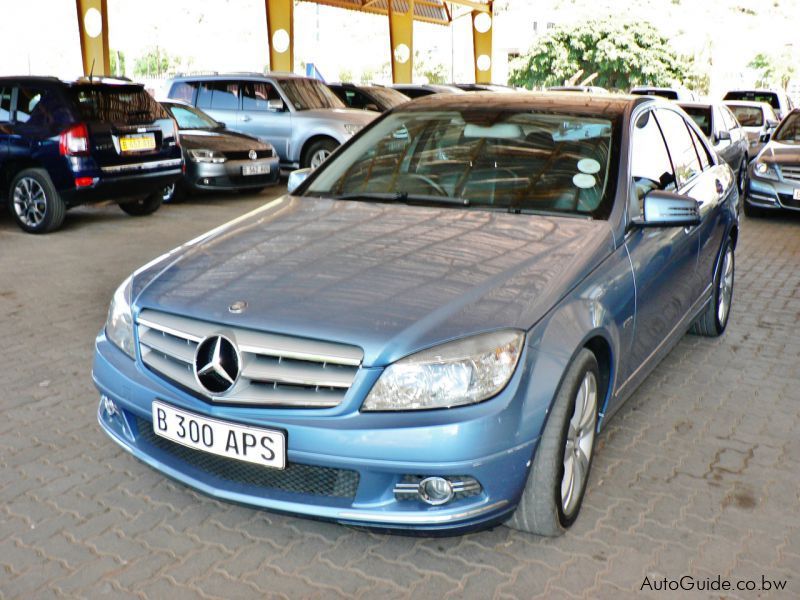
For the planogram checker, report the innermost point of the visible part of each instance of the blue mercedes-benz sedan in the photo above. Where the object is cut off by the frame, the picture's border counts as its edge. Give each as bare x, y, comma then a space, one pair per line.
430, 329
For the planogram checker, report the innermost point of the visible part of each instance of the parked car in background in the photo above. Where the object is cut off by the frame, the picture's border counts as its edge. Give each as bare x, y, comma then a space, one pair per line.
779, 100
216, 158
664, 92
376, 98
429, 332
484, 87
586, 89
67, 143
300, 117
417, 90
758, 119
775, 173
727, 137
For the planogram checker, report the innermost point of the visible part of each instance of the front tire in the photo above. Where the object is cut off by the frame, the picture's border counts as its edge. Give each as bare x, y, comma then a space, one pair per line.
557, 480
318, 152
714, 320
35, 203
144, 206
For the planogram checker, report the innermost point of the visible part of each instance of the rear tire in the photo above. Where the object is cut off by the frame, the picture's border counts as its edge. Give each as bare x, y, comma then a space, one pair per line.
143, 207
557, 480
35, 203
172, 194
714, 320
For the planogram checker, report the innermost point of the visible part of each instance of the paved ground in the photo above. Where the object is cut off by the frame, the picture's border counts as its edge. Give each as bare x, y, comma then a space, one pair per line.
698, 475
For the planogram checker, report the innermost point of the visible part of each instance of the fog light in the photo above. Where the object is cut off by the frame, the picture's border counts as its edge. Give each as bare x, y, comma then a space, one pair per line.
109, 406
435, 490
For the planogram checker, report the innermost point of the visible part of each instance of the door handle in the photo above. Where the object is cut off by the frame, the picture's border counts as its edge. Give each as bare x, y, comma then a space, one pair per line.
246, 118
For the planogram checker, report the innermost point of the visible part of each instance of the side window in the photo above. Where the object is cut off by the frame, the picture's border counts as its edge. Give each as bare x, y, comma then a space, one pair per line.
219, 95
680, 146
204, 96
730, 120
720, 124
651, 168
184, 90
255, 95
5, 104
28, 109
705, 159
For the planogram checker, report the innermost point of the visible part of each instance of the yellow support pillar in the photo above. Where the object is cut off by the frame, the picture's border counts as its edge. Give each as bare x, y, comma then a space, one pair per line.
401, 38
482, 26
93, 29
280, 28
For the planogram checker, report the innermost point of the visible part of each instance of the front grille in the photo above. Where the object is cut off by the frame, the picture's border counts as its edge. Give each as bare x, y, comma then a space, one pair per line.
245, 154
788, 201
275, 370
295, 478
790, 173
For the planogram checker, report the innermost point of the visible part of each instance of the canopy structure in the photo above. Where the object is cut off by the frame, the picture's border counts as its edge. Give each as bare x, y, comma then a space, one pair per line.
93, 29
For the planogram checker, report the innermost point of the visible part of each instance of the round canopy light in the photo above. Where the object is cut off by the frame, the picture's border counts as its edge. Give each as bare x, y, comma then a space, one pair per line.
484, 63
280, 41
482, 22
93, 23
402, 53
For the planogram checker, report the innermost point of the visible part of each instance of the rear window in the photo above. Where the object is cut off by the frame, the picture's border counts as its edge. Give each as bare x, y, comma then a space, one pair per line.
768, 97
701, 115
128, 104
748, 116
668, 94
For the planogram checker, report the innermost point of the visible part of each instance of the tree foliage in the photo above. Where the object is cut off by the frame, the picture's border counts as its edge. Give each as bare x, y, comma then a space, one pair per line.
773, 69
154, 63
623, 54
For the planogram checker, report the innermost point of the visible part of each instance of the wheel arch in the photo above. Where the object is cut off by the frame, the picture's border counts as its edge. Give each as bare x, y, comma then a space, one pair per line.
314, 139
11, 169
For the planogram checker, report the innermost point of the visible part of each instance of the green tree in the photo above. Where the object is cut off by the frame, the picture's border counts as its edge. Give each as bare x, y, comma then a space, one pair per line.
426, 68
154, 63
774, 69
117, 60
623, 54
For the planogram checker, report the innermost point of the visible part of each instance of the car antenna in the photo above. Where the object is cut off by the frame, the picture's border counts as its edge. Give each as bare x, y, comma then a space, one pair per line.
91, 71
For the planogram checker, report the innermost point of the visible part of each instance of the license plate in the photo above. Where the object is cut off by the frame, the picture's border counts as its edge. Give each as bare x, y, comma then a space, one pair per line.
259, 169
137, 143
796, 194
266, 447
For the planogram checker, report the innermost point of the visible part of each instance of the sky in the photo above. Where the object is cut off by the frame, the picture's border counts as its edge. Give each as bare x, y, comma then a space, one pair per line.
221, 35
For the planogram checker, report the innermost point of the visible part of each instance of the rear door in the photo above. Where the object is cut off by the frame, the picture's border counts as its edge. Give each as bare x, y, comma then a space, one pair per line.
222, 99
127, 127
5, 124
257, 119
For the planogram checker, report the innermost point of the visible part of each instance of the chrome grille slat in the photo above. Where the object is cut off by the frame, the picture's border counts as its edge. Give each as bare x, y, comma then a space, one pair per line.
276, 370
791, 173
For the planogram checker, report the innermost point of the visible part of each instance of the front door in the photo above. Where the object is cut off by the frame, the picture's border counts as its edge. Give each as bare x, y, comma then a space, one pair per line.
259, 120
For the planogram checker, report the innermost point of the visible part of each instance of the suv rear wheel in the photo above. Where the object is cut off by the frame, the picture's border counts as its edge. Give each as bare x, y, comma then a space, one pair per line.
143, 206
34, 202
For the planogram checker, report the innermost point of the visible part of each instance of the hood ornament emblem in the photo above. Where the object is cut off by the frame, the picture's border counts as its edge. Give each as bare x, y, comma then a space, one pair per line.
237, 307
252, 154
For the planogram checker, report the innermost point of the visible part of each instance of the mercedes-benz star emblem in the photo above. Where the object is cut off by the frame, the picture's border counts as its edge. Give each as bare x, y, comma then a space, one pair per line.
216, 364
253, 154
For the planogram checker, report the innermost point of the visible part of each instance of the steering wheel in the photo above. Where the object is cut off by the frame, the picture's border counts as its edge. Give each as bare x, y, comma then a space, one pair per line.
430, 183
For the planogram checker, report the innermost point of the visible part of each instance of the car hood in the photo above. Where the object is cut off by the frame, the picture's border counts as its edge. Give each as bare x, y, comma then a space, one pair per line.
779, 153
338, 115
391, 279
222, 140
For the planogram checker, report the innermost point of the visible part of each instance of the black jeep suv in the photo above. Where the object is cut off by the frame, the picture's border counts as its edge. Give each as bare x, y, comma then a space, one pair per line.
63, 144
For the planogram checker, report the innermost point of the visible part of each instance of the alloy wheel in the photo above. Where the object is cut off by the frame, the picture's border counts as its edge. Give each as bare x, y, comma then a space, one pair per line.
30, 202
579, 444
319, 157
725, 291
168, 193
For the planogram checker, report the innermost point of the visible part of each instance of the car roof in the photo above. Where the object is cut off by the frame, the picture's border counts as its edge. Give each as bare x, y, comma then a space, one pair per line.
239, 75
569, 102
46, 79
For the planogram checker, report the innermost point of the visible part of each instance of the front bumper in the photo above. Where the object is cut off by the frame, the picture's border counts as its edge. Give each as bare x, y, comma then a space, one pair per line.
770, 193
378, 451
228, 175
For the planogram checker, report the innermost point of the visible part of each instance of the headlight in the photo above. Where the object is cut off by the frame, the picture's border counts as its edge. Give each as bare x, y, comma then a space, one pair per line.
461, 372
352, 128
119, 324
766, 171
206, 156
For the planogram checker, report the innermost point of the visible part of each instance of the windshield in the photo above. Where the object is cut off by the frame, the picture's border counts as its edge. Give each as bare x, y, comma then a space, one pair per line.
668, 94
477, 158
768, 97
701, 115
748, 116
189, 117
789, 130
308, 94
387, 96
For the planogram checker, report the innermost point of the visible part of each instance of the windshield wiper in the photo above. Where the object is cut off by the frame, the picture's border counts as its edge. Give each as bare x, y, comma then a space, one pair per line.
403, 197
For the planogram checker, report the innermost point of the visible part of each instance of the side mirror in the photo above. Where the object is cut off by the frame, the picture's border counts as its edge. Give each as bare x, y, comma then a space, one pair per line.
372, 107
221, 125
668, 209
724, 135
296, 178
275, 105
772, 124
765, 137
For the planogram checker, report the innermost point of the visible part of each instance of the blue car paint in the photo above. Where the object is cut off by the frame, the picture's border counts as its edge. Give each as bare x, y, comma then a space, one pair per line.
592, 288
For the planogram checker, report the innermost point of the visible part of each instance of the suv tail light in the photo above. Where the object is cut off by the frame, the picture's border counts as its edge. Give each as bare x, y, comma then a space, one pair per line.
74, 141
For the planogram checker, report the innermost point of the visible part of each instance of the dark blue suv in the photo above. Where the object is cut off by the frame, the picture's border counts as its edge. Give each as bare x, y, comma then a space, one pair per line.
63, 144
